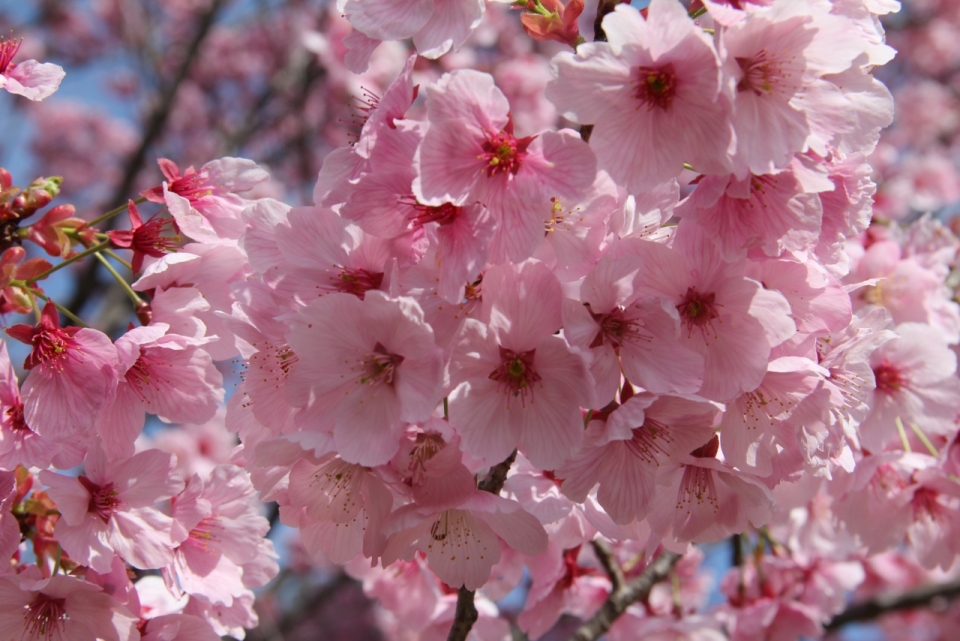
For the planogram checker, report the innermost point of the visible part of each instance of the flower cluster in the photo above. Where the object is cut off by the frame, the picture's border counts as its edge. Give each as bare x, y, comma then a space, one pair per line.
486, 346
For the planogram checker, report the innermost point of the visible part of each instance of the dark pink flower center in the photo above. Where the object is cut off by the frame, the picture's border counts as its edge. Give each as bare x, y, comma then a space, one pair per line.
380, 366
8, 49
204, 534
656, 87
52, 347
193, 186
925, 503
103, 499
140, 374
515, 373
443, 215
15, 417
357, 281
889, 378
697, 309
44, 618
764, 74
616, 328
504, 153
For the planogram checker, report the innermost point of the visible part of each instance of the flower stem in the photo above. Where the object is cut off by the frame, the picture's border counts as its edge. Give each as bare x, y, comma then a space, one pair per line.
120, 279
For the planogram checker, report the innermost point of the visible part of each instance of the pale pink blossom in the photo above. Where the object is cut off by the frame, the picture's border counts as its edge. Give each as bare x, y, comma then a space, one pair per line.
514, 383
110, 509
30, 79
364, 368
661, 103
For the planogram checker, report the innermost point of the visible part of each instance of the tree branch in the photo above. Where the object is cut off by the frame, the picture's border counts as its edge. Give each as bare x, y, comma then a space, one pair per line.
885, 603
466, 614
609, 562
619, 600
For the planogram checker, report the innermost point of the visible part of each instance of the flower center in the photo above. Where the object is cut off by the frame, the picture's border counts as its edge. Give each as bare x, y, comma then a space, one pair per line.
697, 483
889, 378
649, 441
443, 215
51, 347
380, 367
616, 328
503, 152
15, 417
8, 49
103, 500
516, 374
426, 447
656, 87
357, 281
44, 617
698, 310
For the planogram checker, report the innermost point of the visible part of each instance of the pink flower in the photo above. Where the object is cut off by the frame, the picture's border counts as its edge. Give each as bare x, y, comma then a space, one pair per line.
20, 445
652, 94
916, 383
620, 328
204, 203
61, 607
162, 374
436, 26
515, 383
218, 531
470, 153
144, 239
365, 368
462, 544
30, 79
731, 320
110, 509
623, 452
72, 376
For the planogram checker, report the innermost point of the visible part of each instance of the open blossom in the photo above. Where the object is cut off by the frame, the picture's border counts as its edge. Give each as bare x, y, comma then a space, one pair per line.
470, 153
365, 368
162, 374
30, 79
110, 509
515, 383
217, 531
61, 607
72, 376
661, 104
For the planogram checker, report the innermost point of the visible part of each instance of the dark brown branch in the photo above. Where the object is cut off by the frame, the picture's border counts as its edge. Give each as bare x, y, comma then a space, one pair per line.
497, 475
619, 600
466, 614
885, 603
608, 560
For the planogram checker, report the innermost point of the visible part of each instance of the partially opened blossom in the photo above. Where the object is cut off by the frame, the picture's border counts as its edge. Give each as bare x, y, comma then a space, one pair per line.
205, 203
30, 79
72, 376
661, 105
145, 239
13, 297
109, 509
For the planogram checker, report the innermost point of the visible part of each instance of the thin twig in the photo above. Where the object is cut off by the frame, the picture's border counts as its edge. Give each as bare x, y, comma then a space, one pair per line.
619, 600
609, 562
885, 603
466, 613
